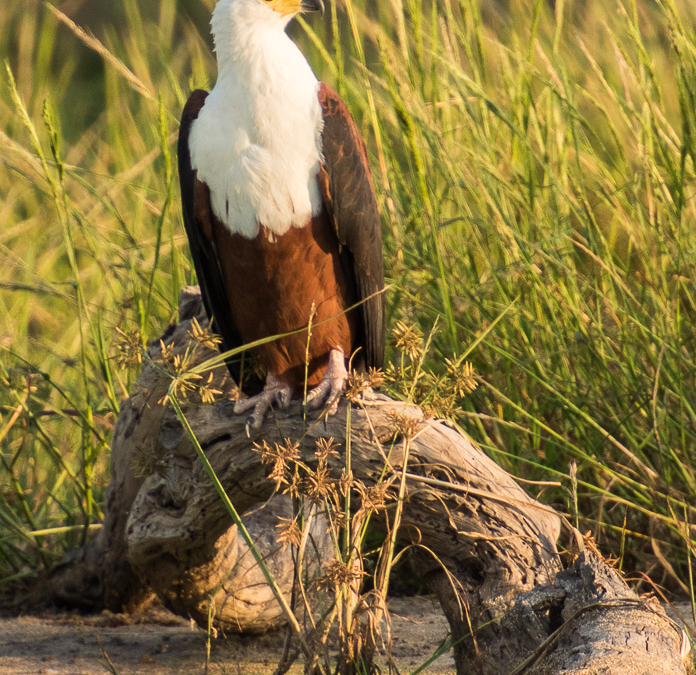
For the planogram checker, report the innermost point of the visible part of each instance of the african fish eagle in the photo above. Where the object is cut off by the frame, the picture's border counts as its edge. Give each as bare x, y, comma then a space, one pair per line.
280, 211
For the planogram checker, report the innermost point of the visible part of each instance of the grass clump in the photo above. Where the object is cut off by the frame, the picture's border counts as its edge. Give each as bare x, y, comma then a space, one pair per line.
535, 172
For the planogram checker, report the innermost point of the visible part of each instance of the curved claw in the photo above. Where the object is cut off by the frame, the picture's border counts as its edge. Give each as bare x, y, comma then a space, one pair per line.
283, 397
317, 396
255, 420
275, 391
225, 406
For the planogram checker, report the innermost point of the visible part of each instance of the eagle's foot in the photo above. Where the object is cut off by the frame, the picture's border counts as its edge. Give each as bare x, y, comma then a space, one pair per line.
329, 390
274, 391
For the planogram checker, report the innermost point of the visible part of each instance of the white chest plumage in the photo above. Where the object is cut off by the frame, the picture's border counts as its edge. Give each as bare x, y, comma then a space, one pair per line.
257, 140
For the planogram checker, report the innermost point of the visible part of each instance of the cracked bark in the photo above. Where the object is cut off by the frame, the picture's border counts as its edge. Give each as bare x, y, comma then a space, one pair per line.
486, 548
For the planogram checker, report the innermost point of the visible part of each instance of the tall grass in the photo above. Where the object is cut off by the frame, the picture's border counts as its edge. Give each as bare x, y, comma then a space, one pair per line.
535, 172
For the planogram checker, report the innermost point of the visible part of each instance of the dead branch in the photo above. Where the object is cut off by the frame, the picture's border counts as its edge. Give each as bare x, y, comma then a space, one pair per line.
486, 548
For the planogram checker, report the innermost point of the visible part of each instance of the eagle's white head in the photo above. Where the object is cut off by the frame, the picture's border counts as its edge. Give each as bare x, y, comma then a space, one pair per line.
235, 18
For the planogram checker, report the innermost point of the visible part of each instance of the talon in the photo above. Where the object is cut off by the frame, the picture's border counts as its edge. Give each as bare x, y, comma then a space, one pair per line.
328, 391
318, 394
256, 418
274, 391
332, 405
283, 397
224, 406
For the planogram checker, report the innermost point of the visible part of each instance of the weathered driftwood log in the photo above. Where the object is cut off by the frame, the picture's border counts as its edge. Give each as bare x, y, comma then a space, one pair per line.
100, 575
486, 548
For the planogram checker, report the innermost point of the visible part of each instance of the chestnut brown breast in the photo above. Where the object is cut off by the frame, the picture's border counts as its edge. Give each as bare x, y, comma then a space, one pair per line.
272, 283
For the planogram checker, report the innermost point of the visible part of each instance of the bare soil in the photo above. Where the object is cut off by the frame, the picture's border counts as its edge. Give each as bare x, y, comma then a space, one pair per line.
159, 643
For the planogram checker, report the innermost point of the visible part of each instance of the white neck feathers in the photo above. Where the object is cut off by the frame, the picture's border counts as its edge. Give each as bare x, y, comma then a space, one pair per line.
257, 140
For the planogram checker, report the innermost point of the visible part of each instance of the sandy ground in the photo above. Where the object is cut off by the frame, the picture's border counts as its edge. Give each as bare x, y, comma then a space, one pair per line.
162, 644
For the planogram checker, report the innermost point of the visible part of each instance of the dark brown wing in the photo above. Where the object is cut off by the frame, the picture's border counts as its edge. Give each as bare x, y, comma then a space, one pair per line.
195, 200
349, 197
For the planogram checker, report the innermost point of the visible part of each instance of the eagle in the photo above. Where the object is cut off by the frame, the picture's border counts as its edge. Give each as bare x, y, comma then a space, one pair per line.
280, 213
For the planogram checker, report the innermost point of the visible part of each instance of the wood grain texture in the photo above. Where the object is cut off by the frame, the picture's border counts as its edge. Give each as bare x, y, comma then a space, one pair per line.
482, 544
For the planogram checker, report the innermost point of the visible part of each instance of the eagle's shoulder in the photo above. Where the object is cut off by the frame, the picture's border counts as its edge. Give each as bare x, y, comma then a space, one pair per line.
193, 105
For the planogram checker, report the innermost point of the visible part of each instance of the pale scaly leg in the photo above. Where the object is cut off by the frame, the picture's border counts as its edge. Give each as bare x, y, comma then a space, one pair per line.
328, 391
274, 391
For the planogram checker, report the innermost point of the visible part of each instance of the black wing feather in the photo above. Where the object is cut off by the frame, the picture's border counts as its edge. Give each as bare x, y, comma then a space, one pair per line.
195, 199
349, 197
